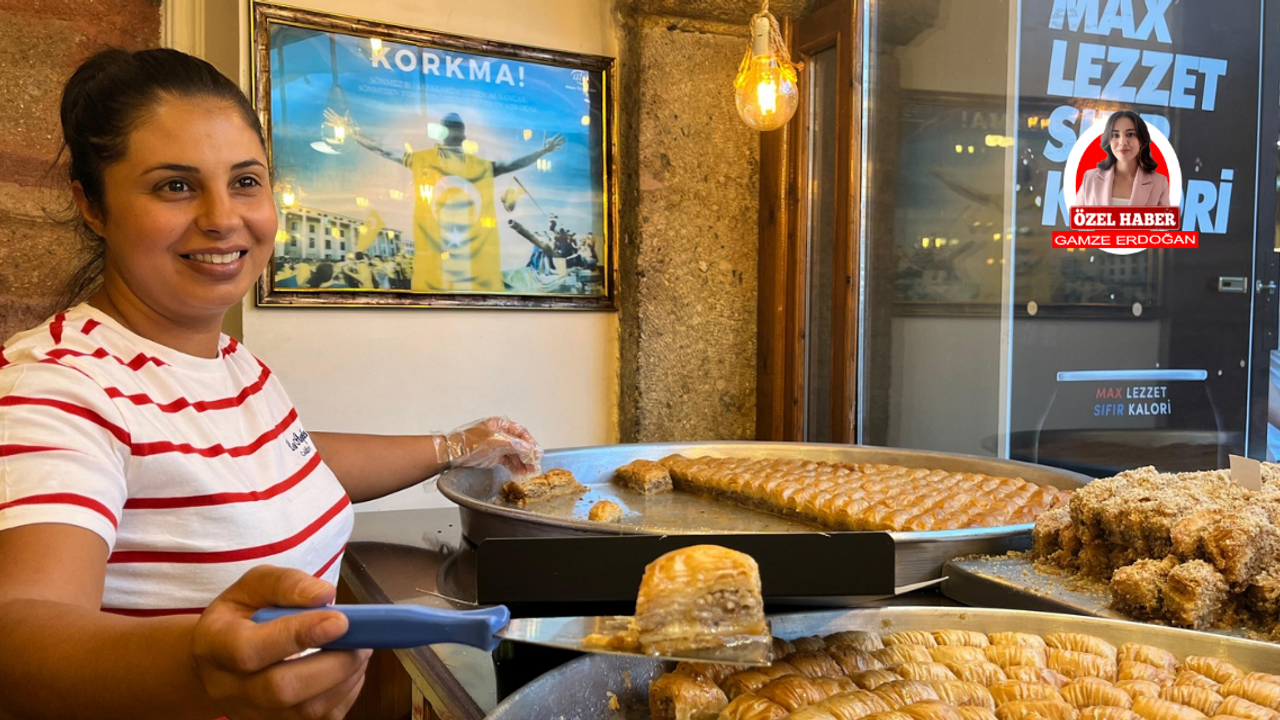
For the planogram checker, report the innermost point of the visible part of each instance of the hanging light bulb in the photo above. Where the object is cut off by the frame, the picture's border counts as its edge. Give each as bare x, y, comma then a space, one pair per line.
765, 89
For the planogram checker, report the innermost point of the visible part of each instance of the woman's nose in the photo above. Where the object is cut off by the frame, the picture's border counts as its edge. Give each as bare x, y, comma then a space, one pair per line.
218, 214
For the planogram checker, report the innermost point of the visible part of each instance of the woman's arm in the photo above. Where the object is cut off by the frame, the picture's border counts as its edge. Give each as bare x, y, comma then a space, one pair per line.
371, 466
72, 660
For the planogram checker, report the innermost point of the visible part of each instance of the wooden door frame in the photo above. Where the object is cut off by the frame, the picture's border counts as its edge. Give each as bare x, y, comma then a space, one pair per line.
784, 203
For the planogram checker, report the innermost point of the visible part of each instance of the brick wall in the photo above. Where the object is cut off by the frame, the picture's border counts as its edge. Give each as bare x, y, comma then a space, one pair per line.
44, 40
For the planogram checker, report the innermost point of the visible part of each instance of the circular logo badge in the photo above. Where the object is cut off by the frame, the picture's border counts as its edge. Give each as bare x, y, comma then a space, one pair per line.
1087, 153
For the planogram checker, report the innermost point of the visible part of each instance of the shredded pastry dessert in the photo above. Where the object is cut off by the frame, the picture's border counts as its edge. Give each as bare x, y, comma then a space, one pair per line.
865, 496
552, 483
700, 597
798, 687
1195, 550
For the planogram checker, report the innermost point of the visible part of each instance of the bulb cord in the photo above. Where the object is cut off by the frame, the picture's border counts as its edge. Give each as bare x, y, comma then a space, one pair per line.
776, 43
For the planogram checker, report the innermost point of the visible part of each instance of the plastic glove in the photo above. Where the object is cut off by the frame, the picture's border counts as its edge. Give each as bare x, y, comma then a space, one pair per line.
490, 442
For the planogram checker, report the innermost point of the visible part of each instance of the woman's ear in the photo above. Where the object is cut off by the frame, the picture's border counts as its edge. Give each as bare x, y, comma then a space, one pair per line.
89, 211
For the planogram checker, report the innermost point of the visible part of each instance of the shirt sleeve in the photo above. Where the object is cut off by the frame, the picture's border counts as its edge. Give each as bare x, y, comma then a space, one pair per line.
64, 448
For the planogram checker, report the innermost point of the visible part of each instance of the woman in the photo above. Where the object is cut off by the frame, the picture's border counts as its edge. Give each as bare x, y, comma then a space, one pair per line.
1128, 175
156, 487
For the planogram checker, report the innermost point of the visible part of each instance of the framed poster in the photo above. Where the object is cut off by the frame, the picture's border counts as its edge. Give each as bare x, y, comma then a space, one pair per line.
421, 169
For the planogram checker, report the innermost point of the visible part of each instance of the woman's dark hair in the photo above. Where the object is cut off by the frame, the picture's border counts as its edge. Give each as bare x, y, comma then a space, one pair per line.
103, 102
1145, 161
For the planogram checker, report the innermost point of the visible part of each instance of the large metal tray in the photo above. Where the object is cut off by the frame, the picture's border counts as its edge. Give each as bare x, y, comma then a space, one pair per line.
583, 689
919, 555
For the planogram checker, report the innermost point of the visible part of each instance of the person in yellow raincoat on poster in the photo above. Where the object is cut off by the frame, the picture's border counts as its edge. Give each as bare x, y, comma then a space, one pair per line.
455, 228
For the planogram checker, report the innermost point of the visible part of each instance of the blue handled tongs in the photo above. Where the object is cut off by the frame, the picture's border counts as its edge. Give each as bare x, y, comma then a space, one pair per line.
406, 626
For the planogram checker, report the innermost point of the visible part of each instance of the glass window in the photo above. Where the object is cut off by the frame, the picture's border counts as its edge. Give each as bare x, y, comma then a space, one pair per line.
978, 335
821, 264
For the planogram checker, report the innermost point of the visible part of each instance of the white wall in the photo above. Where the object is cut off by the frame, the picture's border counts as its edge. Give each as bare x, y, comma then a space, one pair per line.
403, 371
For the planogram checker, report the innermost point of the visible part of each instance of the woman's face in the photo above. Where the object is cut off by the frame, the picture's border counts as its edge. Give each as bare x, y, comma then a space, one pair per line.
188, 214
1124, 140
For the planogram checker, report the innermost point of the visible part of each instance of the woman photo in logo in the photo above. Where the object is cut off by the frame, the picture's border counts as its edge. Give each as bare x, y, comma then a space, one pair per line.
1132, 164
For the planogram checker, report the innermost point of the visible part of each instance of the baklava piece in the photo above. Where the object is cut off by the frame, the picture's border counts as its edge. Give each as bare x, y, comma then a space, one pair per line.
1195, 595
952, 654
1215, 669
1031, 709
932, 710
1138, 688
900, 693
1202, 699
552, 483
1189, 533
700, 597
1107, 712
1195, 679
1156, 709
1243, 544
1149, 654
643, 476
1017, 638
970, 712
792, 692
1138, 590
1013, 690
1088, 692
1081, 642
963, 638
858, 639
753, 707
1046, 536
683, 697
961, 693
854, 705
605, 511
1237, 707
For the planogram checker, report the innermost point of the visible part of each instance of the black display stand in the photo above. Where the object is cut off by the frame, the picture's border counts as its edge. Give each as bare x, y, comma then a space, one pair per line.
603, 569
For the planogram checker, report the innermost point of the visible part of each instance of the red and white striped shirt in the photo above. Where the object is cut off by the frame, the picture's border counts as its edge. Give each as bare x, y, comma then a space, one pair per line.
193, 470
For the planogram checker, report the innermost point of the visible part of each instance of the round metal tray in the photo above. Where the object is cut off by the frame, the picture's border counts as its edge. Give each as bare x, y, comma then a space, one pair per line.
919, 555
586, 688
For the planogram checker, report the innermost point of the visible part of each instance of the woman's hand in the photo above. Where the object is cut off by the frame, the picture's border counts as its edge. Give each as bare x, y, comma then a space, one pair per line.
246, 667
493, 441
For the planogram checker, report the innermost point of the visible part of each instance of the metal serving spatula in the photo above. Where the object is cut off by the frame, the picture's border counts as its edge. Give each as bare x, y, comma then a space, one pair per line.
407, 626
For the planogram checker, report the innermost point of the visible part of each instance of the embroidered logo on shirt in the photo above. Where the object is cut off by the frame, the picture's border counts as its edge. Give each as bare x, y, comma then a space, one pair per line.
300, 441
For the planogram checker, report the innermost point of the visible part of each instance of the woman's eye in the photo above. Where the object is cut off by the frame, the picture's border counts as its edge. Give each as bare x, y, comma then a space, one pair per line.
177, 186
248, 182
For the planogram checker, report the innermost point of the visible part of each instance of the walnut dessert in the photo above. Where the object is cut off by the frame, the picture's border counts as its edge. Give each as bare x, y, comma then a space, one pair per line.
643, 476
605, 511
852, 675
700, 597
1195, 550
552, 483
865, 496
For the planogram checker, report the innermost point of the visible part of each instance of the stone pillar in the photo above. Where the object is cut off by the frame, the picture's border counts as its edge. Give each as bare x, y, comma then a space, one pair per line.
688, 241
44, 41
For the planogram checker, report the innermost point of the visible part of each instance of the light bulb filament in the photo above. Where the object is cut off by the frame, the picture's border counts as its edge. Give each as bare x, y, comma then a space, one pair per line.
767, 96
